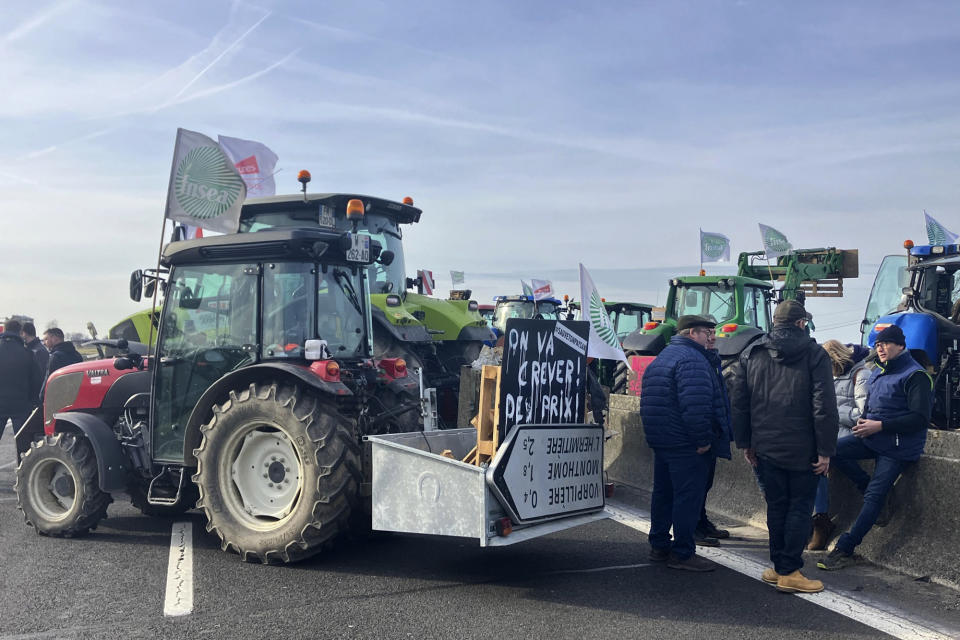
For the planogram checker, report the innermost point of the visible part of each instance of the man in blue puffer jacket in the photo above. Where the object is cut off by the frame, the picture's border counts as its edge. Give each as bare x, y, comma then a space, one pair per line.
892, 431
686, 419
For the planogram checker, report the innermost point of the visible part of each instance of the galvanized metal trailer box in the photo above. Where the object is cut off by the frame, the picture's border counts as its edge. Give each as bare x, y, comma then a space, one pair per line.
417, 490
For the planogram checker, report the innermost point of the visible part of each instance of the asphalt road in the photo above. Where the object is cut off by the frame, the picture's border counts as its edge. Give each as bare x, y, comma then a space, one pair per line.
589, 582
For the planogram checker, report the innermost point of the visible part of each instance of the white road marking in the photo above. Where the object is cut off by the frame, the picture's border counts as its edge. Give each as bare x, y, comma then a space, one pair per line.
179, 597
850, 606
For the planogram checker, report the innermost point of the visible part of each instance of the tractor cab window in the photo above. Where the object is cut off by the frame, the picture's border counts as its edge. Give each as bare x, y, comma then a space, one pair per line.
208, 328
383, 279
287, 308
628, 320
755, 311
512, 309
340, 303
711, 300
887, 291
547, 310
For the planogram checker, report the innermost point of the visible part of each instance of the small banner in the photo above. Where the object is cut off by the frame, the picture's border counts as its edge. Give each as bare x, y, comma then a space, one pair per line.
426, 280
255, 162
603, 335
456, 277
714, 247
205, 188
936, 232
541, 289
775, 244
543, 378
527, 289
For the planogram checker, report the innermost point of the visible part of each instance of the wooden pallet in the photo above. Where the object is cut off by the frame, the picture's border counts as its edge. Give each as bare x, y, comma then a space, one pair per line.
488, 412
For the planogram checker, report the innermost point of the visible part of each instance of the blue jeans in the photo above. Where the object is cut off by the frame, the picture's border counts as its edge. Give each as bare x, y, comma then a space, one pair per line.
679, 485
789, 497
822, 502
711, 472
874, 489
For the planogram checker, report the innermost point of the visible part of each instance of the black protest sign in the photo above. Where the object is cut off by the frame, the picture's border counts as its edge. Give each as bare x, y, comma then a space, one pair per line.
543, 377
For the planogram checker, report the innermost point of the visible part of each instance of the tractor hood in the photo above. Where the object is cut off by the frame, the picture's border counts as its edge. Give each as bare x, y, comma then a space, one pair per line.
451, 317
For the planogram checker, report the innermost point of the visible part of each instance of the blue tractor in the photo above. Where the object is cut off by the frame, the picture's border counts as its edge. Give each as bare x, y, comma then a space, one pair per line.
920, 293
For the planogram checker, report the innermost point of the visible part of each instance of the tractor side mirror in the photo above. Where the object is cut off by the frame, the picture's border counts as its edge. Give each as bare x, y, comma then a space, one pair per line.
122, 363
149, 287
386, 258
136, 285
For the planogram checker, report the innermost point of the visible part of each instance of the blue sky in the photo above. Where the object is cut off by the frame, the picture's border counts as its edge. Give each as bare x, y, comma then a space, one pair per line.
534, 135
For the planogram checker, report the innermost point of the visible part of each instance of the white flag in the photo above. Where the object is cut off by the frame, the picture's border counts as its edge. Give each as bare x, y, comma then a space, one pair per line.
456, 277
603, 336
714, 247
936, 232
541, 289
205, 188
527, 289
255, 162
775, 244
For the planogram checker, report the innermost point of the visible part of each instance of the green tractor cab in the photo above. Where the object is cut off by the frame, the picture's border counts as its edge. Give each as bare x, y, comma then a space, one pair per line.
523, 306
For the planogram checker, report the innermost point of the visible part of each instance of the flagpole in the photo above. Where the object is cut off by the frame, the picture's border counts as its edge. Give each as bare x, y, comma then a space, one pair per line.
163, 229
701, 250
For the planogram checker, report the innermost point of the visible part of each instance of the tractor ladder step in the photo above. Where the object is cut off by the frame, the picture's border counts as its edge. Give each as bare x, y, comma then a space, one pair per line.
156, 490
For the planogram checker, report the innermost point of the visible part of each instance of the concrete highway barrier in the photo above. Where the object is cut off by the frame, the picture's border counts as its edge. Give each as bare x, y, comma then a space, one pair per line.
921, 539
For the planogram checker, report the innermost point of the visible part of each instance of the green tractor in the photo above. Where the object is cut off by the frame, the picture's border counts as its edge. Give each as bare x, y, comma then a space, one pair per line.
741, 304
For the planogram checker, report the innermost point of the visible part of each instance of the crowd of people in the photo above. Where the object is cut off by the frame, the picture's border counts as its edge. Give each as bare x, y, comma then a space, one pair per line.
795, 409
25, 364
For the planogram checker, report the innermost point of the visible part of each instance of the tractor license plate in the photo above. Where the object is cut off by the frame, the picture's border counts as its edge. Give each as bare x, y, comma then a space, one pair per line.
326, 217
359, 248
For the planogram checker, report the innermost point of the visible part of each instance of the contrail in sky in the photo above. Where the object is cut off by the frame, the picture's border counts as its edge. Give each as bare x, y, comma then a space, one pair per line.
38, 20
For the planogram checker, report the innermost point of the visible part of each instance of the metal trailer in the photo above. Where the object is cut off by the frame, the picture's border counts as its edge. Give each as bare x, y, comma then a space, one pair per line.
418, 490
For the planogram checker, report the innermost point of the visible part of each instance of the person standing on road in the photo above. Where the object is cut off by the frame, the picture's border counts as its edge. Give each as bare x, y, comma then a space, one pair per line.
62, 353
686, 421
785, 420
19, 378
892, 432
40, 354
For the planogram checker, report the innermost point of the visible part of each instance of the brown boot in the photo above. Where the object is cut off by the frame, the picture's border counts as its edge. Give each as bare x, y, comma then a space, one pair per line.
822, 529
796, 583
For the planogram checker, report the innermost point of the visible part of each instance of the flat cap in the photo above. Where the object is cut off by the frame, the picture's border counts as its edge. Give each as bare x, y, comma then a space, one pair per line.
789, 311
689, 322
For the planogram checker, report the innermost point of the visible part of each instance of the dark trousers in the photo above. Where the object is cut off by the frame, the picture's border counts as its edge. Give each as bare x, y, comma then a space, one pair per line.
874, 489
790, 496
16, 418
679, 485
711, 471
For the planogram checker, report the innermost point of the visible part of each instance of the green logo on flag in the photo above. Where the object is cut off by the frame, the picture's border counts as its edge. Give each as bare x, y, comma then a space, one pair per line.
775, 241
601, 321
206, 185
713, 246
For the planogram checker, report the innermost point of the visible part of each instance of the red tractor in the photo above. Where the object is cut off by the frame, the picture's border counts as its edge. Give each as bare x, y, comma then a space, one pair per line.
252, 408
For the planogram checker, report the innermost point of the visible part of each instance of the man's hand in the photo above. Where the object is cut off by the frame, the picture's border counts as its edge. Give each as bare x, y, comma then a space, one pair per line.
703, 450
751, 456
865, 427
821, 466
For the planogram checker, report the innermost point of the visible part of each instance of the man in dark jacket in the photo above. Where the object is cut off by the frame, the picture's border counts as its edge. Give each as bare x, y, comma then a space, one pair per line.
19, 378
62, 353
40, 354
686, 421
892, 431
785, 419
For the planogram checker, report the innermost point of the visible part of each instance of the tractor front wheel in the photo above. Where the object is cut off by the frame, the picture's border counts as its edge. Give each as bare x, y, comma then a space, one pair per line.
57, 488
278, 471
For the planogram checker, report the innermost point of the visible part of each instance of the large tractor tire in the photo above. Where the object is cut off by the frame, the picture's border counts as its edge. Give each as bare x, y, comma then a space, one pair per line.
57, 488
278, 471
188, 500
621, 375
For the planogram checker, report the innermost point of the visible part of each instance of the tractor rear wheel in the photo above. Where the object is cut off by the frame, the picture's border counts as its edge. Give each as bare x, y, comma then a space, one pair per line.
57, 488
620, 375
278, 471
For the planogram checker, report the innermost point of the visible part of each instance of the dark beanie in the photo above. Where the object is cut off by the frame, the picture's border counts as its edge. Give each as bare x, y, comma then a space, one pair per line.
691, 321
893, 334
789, 311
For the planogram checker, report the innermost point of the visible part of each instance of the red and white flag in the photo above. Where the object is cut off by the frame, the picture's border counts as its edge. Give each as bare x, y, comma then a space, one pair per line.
541, 289
426, 280
255, 162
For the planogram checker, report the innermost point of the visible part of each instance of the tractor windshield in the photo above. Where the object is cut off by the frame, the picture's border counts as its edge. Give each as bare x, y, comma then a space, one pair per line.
628, 319
391, 279
887, 291
706, 300
544, 309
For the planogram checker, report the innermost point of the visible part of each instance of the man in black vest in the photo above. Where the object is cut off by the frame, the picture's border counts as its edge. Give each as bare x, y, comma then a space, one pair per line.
892, 431
19, 378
